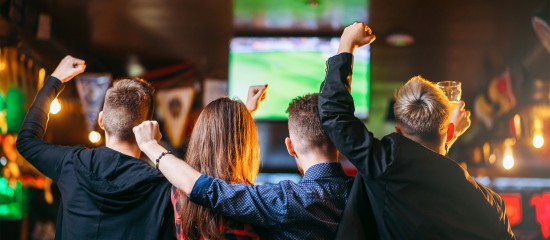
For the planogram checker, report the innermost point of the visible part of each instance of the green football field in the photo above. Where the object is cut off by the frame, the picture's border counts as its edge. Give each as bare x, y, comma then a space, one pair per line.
290, 74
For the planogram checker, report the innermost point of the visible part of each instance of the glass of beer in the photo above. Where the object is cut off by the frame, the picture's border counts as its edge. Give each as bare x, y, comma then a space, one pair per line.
453, 90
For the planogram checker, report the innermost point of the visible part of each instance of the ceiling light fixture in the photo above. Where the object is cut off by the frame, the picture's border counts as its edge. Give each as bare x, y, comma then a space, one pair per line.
400, 39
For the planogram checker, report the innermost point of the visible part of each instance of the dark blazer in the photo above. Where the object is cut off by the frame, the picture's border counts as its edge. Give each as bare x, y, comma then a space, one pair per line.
358, 220
104, 193
413, 192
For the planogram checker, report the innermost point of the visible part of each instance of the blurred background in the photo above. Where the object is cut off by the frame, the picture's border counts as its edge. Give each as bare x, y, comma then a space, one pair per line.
196, 51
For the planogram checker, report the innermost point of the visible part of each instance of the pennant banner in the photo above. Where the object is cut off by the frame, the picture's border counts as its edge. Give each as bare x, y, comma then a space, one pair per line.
497, 100
174, 106
91, 89
543, 32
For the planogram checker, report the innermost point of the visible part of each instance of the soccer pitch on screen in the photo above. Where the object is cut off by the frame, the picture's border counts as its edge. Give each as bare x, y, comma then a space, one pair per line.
292, 67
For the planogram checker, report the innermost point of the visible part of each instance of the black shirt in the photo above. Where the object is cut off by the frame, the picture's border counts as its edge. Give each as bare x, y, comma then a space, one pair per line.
104, 194
413, 192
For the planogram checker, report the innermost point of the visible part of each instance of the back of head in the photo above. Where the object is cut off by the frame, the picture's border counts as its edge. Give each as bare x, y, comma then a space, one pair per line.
304, 125
422, 110
224, 144
127, 104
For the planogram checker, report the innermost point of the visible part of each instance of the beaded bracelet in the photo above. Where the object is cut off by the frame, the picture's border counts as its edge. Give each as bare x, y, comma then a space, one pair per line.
158, 159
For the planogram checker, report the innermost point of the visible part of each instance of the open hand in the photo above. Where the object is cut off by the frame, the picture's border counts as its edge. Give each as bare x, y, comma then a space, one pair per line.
256, 94
68, 68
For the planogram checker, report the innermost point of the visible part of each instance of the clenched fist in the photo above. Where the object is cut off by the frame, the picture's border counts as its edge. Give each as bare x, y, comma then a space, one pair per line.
355, 35
68, 68
147, 132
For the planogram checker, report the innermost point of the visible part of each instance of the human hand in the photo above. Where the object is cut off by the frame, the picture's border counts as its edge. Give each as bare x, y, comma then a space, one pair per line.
355, 35
68, 68
460, 118
147, 133
256, 94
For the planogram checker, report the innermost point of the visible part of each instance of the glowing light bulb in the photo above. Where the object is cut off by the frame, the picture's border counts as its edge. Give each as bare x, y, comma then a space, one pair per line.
538, 140
94, 137
55, 106
508, 161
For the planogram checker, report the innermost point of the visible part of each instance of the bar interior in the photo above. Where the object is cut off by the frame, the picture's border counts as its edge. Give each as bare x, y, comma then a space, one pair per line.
194, 52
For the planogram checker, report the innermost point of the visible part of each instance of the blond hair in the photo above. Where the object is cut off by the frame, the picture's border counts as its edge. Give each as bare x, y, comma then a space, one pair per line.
421, 109
223, 144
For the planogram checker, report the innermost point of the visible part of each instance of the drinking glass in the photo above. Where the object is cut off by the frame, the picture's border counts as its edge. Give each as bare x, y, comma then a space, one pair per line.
453, 90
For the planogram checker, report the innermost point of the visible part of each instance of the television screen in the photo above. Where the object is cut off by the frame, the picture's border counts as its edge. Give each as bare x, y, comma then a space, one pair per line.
292, 67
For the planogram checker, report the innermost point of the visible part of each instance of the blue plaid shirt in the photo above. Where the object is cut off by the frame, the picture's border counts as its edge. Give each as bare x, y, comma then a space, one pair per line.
310, 209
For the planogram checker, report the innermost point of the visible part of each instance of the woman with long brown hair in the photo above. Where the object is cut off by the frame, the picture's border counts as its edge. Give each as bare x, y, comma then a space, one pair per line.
223, 144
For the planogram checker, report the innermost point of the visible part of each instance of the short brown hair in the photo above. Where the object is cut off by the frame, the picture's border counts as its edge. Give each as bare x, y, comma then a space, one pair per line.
127, 104
422, 109
303, 121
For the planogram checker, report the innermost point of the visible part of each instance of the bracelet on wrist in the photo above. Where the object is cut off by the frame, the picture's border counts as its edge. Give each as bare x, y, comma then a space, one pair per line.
161, 155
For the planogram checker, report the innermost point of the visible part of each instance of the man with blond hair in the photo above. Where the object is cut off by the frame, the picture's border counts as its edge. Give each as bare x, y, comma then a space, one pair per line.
405, 184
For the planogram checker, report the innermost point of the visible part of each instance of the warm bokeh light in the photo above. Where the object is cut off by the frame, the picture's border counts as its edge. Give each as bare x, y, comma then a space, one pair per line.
55, 106
517, 125
508, 162
492, 159
41, 77
538, 140
94, 137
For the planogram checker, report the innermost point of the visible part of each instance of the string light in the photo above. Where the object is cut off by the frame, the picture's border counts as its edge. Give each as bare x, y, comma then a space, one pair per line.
538, 140
94, 137
55, 106
508, 160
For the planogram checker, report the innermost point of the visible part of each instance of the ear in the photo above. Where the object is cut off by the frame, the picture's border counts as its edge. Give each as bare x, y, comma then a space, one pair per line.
100, 120
397, 130
290, 147
450, 132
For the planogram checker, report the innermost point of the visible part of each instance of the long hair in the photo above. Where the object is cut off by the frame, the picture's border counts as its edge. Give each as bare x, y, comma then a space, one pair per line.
223, 144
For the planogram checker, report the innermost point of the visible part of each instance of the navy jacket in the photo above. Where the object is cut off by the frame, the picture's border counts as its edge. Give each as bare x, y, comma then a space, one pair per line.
413, 192
104, 193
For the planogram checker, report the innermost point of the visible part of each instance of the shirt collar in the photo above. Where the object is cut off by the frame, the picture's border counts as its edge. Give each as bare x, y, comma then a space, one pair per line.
321, 170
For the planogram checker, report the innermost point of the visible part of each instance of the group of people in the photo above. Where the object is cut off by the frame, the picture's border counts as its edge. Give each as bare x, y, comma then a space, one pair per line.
405, 187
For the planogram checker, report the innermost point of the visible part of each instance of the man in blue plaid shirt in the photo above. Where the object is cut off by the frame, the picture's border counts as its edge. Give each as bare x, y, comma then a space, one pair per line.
310, 209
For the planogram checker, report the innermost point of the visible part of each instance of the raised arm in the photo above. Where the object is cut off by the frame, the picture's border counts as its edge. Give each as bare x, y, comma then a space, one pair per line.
177, 171
265, 205
256, 94
46, 157
460, 118
336, 107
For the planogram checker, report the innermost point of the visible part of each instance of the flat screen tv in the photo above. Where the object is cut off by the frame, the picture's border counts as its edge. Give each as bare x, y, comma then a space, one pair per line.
291, 66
